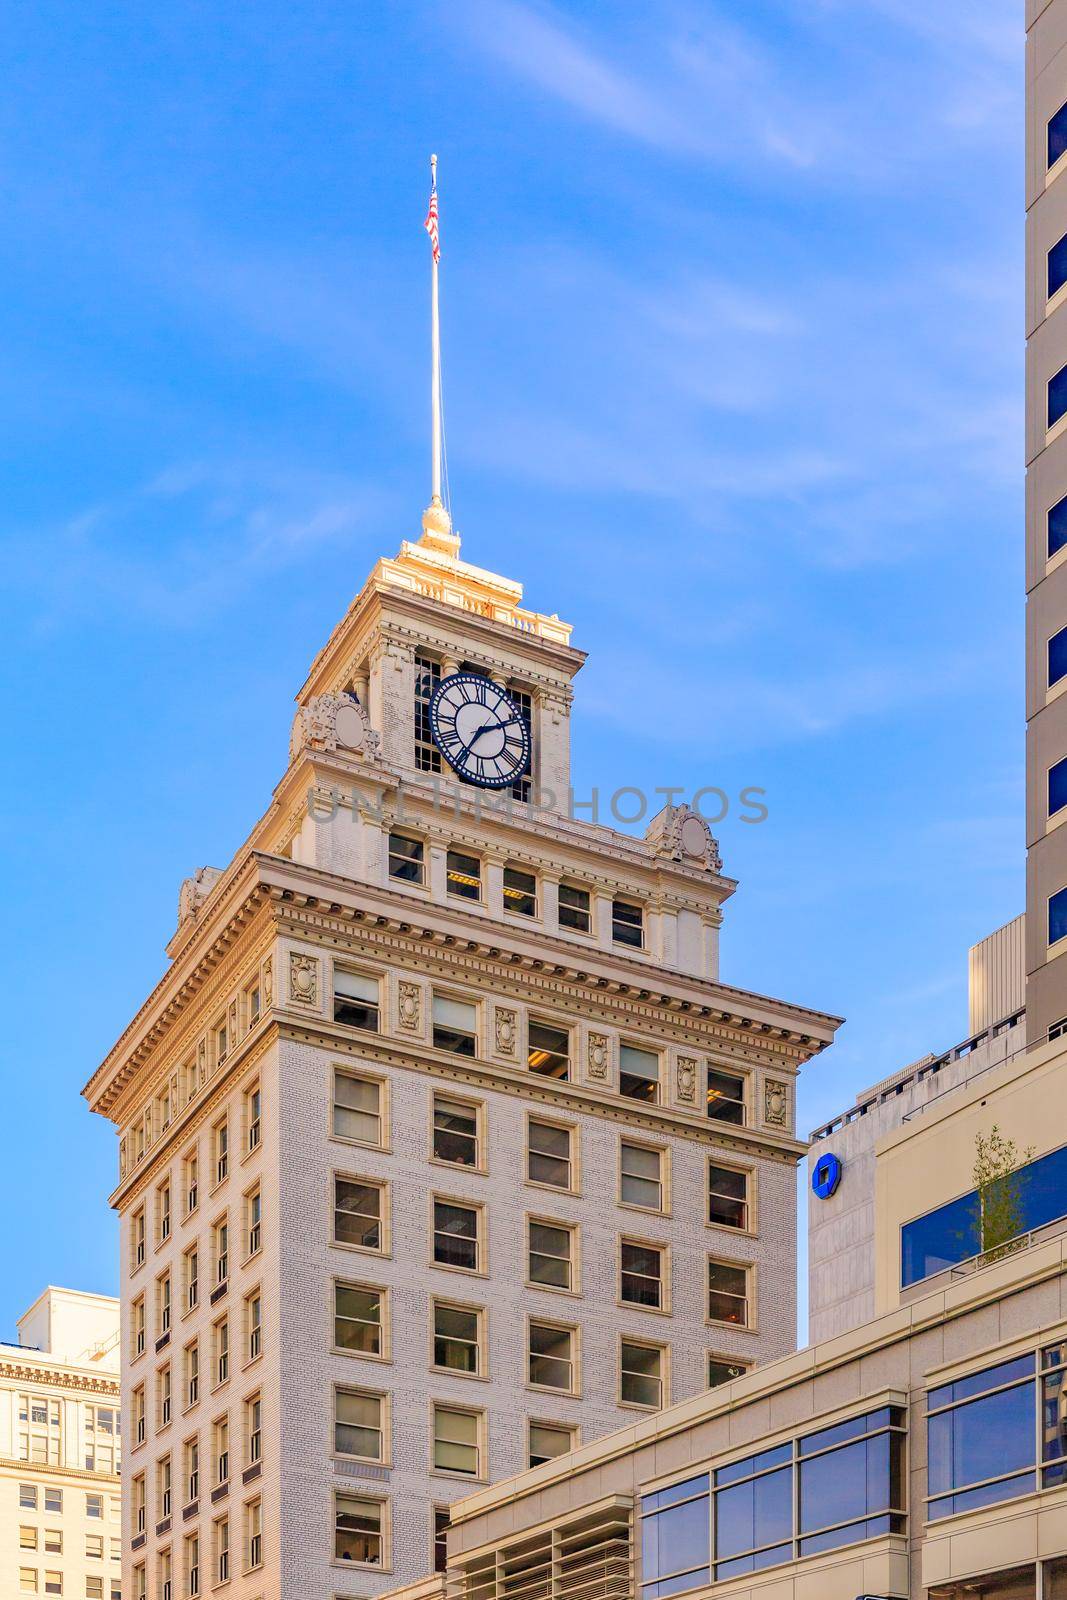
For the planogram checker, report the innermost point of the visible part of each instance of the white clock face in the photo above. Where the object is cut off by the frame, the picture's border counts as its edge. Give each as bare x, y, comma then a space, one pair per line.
479, 730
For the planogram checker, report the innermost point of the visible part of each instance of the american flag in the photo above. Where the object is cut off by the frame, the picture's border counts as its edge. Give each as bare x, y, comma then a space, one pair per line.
431, 224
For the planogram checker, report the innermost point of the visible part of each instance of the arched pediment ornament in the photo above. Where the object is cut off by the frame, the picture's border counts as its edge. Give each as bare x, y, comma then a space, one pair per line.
333, 722
678, 833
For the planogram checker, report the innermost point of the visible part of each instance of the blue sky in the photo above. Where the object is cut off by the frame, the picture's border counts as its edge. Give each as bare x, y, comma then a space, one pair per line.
732, 303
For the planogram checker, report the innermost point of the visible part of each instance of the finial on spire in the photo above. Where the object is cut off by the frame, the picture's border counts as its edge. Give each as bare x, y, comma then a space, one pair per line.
436, 523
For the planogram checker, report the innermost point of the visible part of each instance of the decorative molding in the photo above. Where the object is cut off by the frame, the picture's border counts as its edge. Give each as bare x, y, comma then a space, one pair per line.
409, 1006
303, 978
776, 1103
268, 984
598, 1057
686, 1080
506, 1030
678, 833
333, 722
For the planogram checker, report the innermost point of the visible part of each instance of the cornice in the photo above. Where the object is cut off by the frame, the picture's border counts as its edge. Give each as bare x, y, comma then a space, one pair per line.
29, 1366
29, 1470
318, 902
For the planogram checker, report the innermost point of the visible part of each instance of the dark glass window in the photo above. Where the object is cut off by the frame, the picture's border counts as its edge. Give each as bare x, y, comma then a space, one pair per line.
440, 1538
1057, 135
1057, 527
455, 1131
642, 1275
548, 1155
726, 1097
455, 1026
940, 1239
455, 1338
520, 789
574, 908
1057, 787
427, 677
754, 1523
1057, 266
549, 1440
727, 1197
722, 1371
728, 1293
549, 1051
1057, 657
638, 1073
357, 1213
627, 924
455, 1235
1057, 397
980, 1438
1057, 916
1054, 1414
463, 875
355, 1000
405, 858
520, 891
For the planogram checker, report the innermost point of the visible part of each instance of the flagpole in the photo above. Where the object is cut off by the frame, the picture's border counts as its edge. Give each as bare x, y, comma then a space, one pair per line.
435, 343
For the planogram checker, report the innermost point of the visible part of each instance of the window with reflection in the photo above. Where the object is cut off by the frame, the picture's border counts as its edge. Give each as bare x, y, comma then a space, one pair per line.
835, 1487
726, 1097
981, 1438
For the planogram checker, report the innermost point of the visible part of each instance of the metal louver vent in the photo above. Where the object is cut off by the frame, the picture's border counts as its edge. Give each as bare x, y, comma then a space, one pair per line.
588, 1556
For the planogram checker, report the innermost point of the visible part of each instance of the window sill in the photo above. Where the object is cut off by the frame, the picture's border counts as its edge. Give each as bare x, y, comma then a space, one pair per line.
547, 1388
1056, 950
1054, 691
1057, 820
253, 1361
551, 1188
359, 1566
385, 1462
454, 1372
361, 1355
480, 1171
360, 1144
1058, 428
646, 1411
457, 1477
734, 1233
1056, 168
734, 1327
554, 1289
646, 1211
463, 1272
361, 1250
652, 1311
1060, 558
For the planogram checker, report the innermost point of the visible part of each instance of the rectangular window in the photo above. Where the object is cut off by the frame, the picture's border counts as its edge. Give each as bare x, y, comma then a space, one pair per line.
192, 1373
192, 1470
638, 1073
28, 1580
627, 924
27, 1497
94, 1542
222, 1351
253, 1221
27, 1538
523, 701
358, 1530
427, 678
520, 892
457, 1440
163, 1304
1057, 397
981, 1438
440, 1538
253, 1535
53, 1541
728, 1293
549, 1154
221, 1239
255, 1004
726, 1097
191, 1267
455, 1131
455, 1026
1057, 136
550, 1255
1057, 787
357, 1108
221, 1441
641, 1374
192, 1187
164, 1389
39, 1431
139, 1503
407, 862
253, 1118
162, 1491
358, 1319
222, 1550
642, 1274
358, 1424
221, 1138
356, 1000
549, 1050
254, 1324
253, 1430
137, 1238
94, 1506
137, 1326
358, 1214
723, 1369
456, 1235
463, 875
1057, 266
138, 1415
53, 1502
1057, 655
1056, 528
163, 1212
457, 1337
641, 1176
548, 1440
1057, 917
552, 1356
574, 908
728, 1197
53, 1581
192, 1565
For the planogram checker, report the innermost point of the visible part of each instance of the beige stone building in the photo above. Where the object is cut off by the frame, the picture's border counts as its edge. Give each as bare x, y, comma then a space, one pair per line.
921, 1456
1046, 516
60, 1529
442, 1148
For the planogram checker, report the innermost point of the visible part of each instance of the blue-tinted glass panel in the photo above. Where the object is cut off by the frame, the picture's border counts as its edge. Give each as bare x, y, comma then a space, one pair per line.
1057, 266
1043, 1190
675, 1585
989, 1494
987, 1438
1057, 787
1057, 136
940, 1239
976, 1383
753, 1514
777, 1457
1054, 1415
1057, 657
675, 1540
833, 1487
753, 1563
836, 1537
1057, 397
675, 1492
854, 1428
1057, 913
1057, 526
